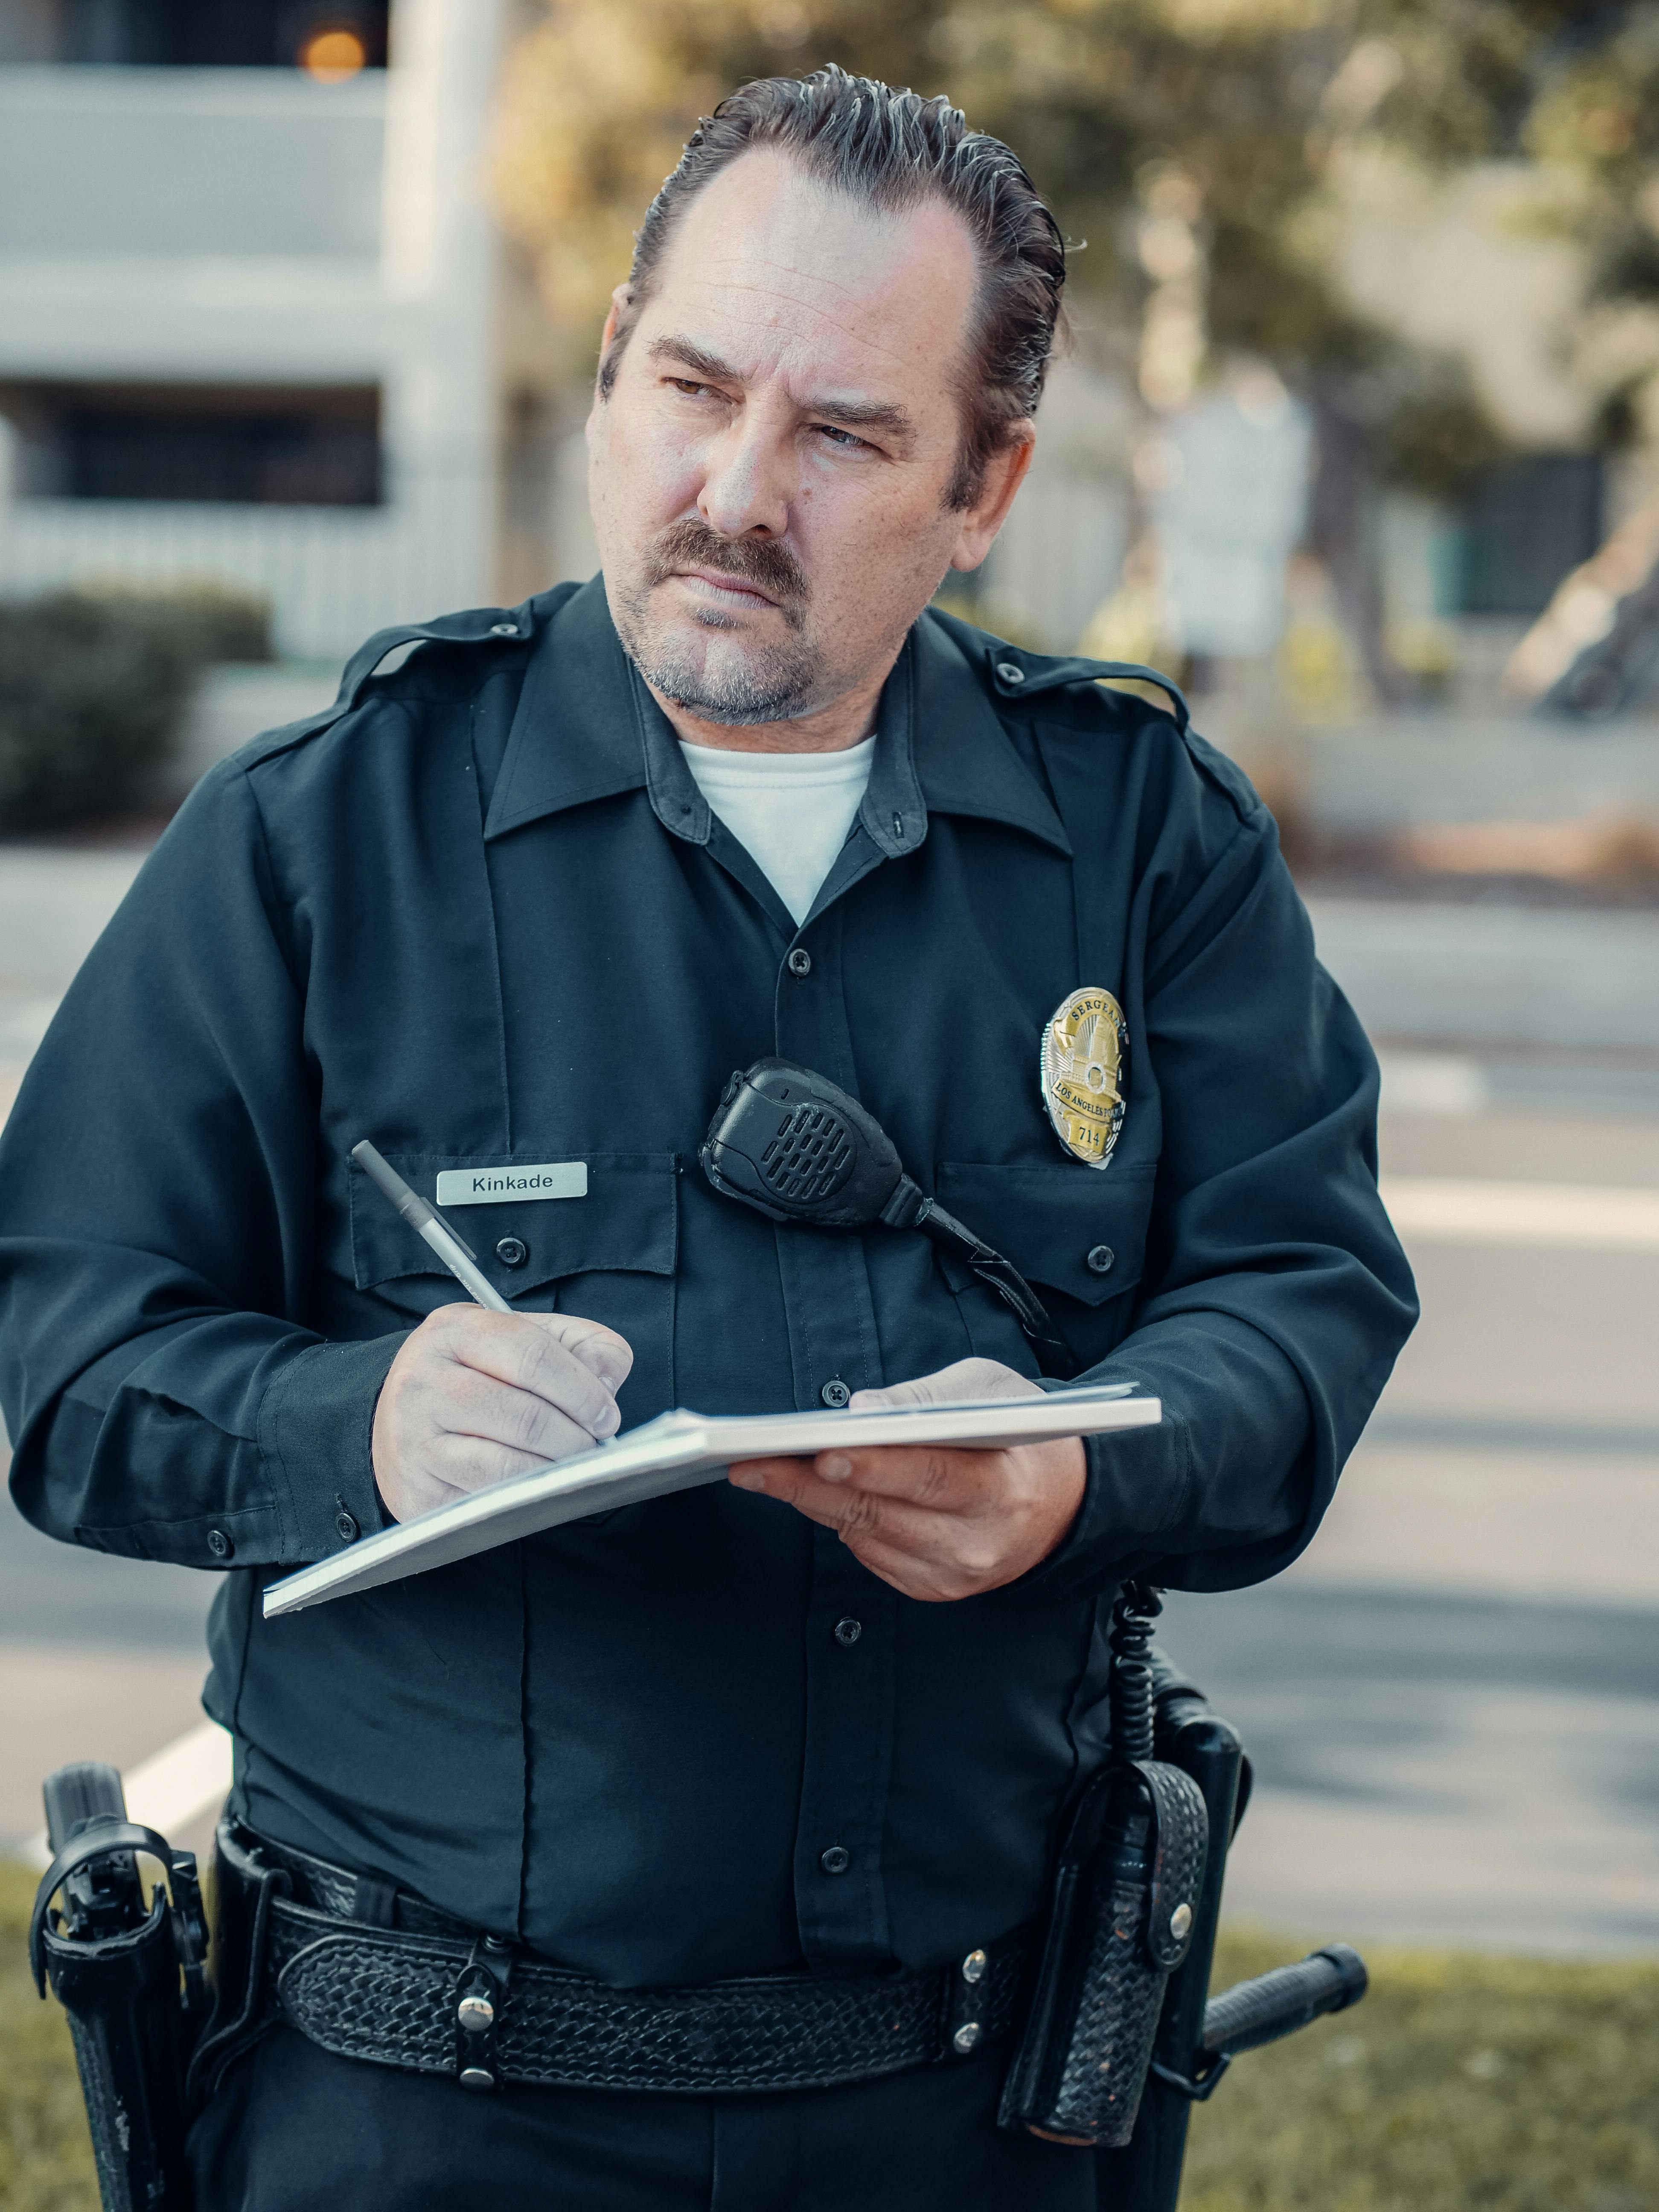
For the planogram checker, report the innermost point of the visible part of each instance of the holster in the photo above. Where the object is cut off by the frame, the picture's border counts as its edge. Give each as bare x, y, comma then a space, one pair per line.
1121, 1913
130, 1976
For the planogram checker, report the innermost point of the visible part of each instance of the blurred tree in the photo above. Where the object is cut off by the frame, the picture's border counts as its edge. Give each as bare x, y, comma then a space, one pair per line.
1571, 86
1187, 147
1098, 95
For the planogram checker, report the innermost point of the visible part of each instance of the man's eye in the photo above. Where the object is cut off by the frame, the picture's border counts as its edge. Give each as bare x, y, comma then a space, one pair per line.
839, 437
691, 389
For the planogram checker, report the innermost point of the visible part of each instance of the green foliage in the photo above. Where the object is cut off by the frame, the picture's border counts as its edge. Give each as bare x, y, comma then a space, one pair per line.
204, 622
46, 2157
1437, 437
1258, 102
92, 689
1462, 2084
1571, 85
1467, 74
602, 94
1250, 100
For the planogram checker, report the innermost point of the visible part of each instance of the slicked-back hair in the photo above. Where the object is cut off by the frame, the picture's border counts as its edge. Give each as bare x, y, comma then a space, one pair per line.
891, 150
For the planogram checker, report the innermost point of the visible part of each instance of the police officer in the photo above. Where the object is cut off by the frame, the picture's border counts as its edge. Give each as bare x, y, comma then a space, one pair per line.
527, 898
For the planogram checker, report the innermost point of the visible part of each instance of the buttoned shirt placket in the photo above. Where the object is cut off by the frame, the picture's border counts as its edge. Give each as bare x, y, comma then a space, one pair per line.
851, 1623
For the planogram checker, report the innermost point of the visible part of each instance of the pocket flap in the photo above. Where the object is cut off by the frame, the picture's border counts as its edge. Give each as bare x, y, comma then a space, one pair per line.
1082, 1231
628, 1221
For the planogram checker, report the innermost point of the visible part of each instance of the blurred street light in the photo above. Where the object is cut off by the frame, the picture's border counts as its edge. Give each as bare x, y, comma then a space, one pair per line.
333, 56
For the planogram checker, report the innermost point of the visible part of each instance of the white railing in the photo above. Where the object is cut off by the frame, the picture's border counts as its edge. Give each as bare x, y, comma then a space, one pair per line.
333, 574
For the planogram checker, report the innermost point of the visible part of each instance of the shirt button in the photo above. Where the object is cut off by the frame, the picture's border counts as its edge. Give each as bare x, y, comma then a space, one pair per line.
799, 961
835, 1860
835, 1394
503, 629
345, 1524
1010, 673
220, 1544
848, 1632
512, 1251
1101, 1259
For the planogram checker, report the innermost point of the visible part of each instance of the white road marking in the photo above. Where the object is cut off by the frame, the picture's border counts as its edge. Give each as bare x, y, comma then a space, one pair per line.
168, 1791
1432, 1084
1588, 1217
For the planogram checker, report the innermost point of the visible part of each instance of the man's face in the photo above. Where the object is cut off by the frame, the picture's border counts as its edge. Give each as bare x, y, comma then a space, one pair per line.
768, 475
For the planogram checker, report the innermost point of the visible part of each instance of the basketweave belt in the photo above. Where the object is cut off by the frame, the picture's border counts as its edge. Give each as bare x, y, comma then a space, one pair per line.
432, 1996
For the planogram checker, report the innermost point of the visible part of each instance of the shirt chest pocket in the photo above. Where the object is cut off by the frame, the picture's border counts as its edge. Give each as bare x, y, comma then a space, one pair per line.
1072, 1229
609, 1254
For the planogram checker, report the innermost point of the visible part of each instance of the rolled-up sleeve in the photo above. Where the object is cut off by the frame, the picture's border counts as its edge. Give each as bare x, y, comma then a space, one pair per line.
157, 1226
1276, 1297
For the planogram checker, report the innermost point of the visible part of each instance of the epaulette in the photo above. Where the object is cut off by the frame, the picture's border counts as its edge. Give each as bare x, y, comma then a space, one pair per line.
1019, 675
473, 626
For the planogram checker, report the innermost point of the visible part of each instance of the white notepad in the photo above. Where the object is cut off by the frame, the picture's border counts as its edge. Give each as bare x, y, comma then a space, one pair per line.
677, 1451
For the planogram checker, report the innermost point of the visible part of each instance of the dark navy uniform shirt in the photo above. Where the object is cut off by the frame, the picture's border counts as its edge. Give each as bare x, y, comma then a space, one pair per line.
481, 915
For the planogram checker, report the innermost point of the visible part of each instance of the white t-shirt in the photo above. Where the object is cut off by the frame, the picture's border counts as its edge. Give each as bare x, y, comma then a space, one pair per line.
791, 811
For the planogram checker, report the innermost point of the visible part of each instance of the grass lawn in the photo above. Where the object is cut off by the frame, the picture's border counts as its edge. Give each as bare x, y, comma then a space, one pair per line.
1462, 2084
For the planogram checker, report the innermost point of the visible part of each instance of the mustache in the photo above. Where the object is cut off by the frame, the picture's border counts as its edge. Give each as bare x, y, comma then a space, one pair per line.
772, 569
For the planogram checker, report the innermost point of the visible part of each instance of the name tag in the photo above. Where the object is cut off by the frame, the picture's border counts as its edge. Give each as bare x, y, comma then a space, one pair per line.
496, 1186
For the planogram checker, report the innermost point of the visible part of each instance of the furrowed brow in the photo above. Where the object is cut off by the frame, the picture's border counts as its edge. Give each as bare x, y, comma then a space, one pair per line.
880, 416
863, 415
693, 357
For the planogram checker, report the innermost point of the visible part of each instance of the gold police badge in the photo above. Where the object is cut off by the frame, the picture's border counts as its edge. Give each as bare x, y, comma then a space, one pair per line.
1085, 1073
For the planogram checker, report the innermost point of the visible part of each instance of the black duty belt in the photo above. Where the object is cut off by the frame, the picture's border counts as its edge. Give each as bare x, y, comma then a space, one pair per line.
428, 1993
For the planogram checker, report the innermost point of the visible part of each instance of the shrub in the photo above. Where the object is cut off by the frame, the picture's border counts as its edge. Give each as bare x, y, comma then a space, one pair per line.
92, 688
206, 621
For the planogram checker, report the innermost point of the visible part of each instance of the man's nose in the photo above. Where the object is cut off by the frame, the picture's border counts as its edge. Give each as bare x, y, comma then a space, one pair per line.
750, 482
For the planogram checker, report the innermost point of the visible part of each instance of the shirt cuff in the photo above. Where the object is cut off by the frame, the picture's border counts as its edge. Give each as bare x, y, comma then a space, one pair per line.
315, 1429
1135, 1486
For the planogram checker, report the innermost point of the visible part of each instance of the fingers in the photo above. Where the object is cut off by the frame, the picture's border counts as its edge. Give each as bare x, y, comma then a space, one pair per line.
527, 1354
610, 1356
852, 1513
473, 1405
938, 1524
968, 1380
921, 1551
474, 1396
466, 1462
941, 1478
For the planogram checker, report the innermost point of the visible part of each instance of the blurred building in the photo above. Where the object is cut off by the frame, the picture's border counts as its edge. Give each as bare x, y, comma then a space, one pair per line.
256, 324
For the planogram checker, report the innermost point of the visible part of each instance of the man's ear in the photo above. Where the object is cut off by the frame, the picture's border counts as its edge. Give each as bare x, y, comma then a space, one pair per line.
1005, 473
621, 300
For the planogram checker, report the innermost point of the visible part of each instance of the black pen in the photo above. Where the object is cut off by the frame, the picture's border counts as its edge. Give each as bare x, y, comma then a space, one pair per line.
429, 1224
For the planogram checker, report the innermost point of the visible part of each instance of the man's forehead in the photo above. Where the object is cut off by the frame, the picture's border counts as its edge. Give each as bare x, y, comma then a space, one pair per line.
771, 263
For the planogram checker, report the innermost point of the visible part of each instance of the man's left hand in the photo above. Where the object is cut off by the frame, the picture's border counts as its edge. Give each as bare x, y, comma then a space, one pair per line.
936, 1521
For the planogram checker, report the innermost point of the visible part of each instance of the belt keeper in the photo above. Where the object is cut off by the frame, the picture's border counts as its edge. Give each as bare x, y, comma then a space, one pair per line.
480, 1996
966, 1995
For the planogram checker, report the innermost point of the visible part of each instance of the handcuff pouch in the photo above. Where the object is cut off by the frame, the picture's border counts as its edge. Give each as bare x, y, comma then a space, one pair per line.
1120, 1921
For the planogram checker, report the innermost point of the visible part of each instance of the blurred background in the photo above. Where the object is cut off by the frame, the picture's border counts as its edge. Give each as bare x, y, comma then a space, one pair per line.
1358, 433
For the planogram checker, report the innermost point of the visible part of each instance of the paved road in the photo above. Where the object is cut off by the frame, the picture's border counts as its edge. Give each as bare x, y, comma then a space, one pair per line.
1453, 1701
1558, 1007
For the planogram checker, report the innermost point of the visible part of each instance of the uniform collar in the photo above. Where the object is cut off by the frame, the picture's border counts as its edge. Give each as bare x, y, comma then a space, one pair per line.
575, 735
586, 728
965, 761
